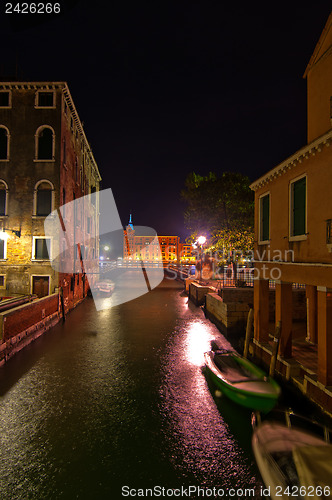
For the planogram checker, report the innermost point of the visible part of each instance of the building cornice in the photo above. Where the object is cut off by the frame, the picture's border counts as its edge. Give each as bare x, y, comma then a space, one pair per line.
300, 156
79, 126
32, 85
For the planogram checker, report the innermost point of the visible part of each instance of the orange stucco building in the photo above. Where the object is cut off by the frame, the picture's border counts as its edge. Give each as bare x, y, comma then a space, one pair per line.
293, 231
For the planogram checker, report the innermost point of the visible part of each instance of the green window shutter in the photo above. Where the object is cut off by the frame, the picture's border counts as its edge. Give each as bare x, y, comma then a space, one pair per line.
265, 218
2, 249
299, 206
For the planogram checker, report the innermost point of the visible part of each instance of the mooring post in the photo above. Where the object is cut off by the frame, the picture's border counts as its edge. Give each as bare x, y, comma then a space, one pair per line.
62, 304
275, 348
250, 321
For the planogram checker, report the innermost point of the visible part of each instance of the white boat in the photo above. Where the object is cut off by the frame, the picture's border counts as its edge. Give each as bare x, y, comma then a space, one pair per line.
294, 457
104, 286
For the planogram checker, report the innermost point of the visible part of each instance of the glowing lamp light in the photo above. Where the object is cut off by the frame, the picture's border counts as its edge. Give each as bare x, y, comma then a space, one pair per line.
201, 240
3, 236
106, 247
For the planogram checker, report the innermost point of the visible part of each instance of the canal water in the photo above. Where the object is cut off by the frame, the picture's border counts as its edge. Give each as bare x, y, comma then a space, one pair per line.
115, 402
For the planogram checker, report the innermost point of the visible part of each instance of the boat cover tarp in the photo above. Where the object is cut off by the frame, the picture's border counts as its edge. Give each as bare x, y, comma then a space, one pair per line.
314, 465
232, 371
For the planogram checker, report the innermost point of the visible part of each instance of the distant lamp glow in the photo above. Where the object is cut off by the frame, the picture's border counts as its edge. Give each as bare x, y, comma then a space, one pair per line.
106, 247
201, 240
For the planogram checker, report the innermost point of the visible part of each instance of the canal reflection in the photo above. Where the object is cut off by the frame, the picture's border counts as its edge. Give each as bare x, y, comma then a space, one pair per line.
118, 397
201, 446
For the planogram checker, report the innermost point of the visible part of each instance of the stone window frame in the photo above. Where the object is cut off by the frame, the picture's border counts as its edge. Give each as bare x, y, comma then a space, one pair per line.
6, 198
10, 99
33, 255
38, 131
5, 242
35, 191
8, 143
40, 91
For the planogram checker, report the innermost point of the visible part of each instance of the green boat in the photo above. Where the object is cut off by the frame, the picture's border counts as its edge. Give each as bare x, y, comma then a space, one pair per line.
242, 381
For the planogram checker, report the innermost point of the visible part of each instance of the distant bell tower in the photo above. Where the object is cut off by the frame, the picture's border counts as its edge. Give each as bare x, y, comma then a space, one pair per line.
130, 224
129, 240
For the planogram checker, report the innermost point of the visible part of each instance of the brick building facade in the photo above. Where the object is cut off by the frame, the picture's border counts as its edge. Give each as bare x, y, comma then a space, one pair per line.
45, 162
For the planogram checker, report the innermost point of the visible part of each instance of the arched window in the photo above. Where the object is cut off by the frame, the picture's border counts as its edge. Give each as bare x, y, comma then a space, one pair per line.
3, 198
45, 143
4, 140
43, 202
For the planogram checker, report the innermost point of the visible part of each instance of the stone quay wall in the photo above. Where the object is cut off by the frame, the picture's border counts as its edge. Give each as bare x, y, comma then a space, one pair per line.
23, 324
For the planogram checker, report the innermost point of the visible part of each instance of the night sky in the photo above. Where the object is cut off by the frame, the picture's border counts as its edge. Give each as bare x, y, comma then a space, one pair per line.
169, 87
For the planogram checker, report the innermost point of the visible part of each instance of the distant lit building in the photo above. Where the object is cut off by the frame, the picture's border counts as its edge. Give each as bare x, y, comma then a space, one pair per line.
138, 247
187, 254
45, 162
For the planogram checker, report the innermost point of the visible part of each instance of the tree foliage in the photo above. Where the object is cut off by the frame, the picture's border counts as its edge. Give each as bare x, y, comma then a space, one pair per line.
221, 208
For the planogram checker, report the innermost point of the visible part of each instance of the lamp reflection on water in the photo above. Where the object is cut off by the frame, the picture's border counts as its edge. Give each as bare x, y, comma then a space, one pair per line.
198, 342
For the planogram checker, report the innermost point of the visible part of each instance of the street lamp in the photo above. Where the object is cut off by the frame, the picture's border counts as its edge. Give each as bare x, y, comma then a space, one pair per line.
201, 240
4, 235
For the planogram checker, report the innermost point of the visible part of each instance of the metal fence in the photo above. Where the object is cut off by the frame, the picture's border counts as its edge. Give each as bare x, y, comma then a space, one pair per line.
227, 278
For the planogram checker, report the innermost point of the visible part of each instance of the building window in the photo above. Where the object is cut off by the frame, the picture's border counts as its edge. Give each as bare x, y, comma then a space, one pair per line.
40, 248
4, 140
3, 248
40, 286
2, 281
45, 143
264, 218
5, 99
63, 203
45, 99
43, 198
298, 202
64, 151
3, 198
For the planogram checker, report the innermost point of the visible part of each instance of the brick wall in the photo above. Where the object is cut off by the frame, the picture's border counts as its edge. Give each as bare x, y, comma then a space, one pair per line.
24, 317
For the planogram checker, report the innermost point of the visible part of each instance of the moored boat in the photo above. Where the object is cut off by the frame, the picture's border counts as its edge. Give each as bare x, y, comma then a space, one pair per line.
242, 381
294, 459
104, 286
